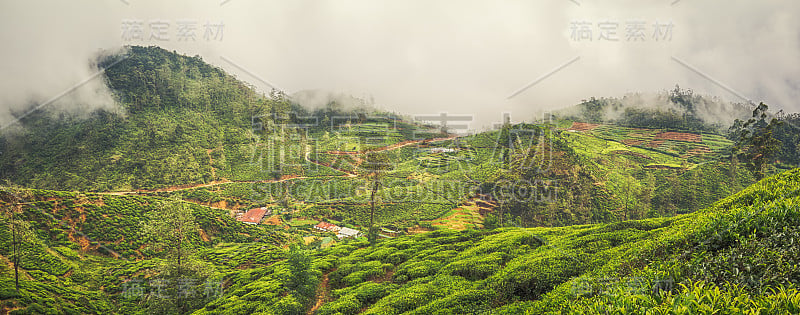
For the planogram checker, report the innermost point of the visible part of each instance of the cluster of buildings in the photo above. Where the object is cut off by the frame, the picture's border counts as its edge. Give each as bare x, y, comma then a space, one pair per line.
254, 217
341, 232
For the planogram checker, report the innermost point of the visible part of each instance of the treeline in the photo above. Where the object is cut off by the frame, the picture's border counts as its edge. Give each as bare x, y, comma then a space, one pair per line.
789, 135
151, 78
677, 109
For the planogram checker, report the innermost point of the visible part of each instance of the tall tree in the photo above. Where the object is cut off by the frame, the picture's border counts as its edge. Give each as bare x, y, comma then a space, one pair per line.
170, 229
627, 190
21, 234
683, 98
754, 140
374, 169
503, 145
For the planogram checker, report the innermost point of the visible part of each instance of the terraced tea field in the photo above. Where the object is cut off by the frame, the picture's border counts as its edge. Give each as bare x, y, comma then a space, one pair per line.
700, 146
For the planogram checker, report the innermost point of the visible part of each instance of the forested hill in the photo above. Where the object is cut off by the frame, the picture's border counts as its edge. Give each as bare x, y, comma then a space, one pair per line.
186, 122
152, 79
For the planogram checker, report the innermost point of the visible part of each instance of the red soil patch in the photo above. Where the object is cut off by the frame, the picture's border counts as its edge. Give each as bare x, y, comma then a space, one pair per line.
204, 236
323, 293
579, 126
273, 220
98, 202
5, 309
220, 204
417, 230
231, 205
679, 136
82, 241
387, 277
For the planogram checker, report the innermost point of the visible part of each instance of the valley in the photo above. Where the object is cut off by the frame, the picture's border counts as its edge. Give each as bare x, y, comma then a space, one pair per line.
358, 210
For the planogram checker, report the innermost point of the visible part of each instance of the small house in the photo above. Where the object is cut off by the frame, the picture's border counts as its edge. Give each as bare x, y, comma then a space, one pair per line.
442, 150
390, 233
254, 216
346, 232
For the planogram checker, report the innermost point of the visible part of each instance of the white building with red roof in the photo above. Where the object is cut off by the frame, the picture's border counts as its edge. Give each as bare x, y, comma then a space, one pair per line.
327, 227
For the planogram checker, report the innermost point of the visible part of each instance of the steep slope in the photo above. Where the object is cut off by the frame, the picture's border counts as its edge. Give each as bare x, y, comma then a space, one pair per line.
193, 136
85, 247
709, 261
567, 176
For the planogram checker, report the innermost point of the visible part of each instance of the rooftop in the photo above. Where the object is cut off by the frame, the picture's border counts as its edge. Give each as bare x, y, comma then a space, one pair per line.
253, 216
326, 226
347, 232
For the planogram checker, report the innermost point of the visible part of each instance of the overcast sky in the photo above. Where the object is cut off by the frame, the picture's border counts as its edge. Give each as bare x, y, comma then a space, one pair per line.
420, 57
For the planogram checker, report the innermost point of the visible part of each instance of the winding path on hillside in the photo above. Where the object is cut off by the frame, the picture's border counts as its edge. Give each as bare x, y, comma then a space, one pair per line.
224, 181
323, 292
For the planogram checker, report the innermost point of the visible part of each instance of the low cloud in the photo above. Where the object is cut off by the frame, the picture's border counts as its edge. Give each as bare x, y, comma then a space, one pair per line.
423, 57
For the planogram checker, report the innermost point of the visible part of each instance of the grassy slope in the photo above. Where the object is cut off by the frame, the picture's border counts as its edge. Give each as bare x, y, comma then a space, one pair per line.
495, 263
86, 245
538, 269
691, 182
